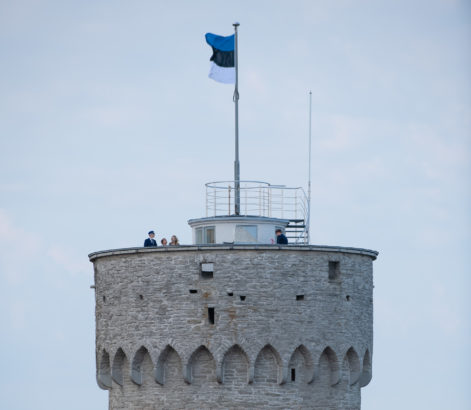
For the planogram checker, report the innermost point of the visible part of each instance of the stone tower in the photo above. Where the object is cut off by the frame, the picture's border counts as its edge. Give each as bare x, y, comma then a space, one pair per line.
241, 324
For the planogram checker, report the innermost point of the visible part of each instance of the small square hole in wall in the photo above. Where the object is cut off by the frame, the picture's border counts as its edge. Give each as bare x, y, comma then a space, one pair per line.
207, 270
193, 291
230, 293
211, 315
334, 270
299, 297
242, 297
141, 297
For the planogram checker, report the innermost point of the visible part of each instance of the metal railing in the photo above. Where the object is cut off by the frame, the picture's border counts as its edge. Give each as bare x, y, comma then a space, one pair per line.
257, 198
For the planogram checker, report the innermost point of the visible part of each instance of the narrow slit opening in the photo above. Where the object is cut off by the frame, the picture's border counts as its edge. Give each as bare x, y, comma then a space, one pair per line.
293, 375
211, 315
230, 293
334, 270
193, 291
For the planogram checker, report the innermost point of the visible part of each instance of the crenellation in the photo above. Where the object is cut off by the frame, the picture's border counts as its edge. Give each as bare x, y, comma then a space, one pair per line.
202, 367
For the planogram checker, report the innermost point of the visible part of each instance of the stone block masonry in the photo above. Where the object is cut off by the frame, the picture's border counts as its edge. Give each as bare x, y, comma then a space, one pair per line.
234, 327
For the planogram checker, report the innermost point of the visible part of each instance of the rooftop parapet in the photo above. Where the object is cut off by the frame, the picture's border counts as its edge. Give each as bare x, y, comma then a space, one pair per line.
234, 247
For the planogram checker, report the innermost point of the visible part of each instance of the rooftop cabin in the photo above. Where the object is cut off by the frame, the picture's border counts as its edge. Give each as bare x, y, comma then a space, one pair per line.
263, 209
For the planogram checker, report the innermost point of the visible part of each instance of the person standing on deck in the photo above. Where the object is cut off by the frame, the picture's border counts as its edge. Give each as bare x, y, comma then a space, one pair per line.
150, 241
281, 239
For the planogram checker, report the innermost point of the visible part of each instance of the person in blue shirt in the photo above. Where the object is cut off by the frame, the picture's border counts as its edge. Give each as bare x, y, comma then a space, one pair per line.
281, 239
150, 241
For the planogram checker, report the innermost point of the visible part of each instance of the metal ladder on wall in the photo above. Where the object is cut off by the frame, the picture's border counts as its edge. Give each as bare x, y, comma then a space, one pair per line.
296, 231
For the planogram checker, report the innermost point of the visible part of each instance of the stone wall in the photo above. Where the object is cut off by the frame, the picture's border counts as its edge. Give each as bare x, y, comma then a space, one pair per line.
292, 327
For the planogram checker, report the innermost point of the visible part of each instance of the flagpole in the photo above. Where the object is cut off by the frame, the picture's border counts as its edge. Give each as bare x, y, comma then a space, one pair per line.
236, 102
309, 180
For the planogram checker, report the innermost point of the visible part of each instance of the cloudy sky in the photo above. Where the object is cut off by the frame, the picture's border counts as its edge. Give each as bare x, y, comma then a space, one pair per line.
109, 126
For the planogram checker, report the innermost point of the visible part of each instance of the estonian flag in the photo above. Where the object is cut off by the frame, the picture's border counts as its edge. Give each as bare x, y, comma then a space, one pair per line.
222, 60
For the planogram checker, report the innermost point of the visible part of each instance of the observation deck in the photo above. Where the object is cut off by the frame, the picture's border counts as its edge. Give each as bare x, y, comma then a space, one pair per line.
263, 209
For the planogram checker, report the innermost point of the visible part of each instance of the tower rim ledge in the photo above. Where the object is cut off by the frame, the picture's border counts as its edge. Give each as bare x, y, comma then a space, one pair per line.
233, 247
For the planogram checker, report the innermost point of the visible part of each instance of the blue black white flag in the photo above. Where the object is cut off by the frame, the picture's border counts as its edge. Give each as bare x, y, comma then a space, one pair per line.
222, 61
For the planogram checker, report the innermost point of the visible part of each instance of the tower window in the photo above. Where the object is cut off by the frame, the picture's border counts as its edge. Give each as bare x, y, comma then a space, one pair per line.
242, 297
193, 291
205, 235
334, 270
207, 270
211, 315
293, 375
246, 234
230, 293
299, 297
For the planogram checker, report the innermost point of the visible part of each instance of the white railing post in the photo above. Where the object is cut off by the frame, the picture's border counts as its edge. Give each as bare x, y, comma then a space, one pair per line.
245, 194
264, 201
215, 202
282, 203
260, 209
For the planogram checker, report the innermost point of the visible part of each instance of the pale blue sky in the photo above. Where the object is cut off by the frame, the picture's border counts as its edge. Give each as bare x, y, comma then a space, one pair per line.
109, 127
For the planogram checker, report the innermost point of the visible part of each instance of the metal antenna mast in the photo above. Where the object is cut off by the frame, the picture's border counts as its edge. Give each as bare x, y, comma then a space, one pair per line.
308, 224
236, 101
